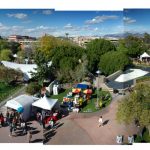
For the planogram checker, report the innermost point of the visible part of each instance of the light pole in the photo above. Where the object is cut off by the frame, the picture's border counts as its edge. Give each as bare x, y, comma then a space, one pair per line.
98, 72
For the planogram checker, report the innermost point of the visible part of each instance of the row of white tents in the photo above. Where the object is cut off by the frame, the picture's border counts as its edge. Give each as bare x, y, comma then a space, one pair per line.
25, 103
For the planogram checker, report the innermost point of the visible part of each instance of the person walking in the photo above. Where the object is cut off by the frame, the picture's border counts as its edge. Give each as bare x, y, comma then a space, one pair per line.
100, 120
10, 129
29, 136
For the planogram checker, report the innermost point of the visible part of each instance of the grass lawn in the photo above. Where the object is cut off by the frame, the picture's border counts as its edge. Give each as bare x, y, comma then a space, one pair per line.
90, 107
61, 95
7, 90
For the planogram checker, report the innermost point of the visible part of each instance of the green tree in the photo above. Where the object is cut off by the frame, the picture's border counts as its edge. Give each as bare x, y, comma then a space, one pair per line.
113, 61
14, 47
95, 49
44, 69
136, 107
6, 55
135, 46
46, 44
8, 75
65, 60
21, 56
3, 44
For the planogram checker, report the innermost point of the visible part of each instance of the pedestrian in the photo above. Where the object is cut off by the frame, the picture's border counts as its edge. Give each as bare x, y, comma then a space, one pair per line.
10, 129
51, 122
29, 136
23, 126
100, 120
7, 117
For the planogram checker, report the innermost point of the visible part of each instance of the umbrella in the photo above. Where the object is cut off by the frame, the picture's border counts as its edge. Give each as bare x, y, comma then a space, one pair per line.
88, 91
77, 90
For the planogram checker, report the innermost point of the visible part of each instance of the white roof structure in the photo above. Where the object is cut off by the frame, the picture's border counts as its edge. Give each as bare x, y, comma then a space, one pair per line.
45, 103
144, 55
133, 74
15, 55
23, 102
25, 68
20, 101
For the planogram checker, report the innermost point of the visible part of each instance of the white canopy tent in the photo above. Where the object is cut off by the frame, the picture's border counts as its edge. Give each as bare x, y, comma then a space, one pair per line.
22, 103
144, 55
45, 103
25, 68
135, 73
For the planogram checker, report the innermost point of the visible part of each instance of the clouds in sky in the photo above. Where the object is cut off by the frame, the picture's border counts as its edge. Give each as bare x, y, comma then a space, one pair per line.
47, 12
128, 20
18, 15
100, 19
39, 22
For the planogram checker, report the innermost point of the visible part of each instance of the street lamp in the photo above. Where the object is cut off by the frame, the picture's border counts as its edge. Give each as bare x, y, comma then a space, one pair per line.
98, 72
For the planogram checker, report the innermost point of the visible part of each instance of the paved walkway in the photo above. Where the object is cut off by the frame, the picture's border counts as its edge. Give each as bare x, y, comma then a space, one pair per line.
82, 128
36, 130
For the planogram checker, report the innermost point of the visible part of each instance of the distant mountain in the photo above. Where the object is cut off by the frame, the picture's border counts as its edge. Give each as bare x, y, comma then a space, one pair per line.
133, 34
121, 35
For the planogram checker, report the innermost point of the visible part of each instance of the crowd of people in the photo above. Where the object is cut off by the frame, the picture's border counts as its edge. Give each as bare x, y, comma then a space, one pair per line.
15, 121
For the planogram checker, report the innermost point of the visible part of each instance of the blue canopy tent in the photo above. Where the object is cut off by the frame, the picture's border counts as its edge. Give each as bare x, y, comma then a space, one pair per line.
82, 86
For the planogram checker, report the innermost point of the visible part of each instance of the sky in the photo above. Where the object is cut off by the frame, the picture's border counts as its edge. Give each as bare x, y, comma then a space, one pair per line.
35, 23
137, 20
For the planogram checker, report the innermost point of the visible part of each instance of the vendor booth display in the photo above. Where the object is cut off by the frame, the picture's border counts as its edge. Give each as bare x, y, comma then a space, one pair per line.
22, 104
47, 104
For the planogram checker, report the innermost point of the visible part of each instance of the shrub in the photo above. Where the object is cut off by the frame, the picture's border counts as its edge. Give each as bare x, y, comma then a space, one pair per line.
33, 88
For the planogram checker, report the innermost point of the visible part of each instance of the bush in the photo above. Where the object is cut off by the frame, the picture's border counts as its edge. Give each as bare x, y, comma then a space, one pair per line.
33, 88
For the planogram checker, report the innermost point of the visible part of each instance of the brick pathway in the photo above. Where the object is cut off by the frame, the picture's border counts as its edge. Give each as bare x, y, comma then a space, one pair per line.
82, 128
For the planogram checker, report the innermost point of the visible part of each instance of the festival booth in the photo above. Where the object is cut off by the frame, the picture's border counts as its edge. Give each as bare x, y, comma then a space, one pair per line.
47, 104
145, 57
22, 104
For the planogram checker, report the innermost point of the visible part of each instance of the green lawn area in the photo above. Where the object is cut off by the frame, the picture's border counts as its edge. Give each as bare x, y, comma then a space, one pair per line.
7, 90
90, 107
61, 95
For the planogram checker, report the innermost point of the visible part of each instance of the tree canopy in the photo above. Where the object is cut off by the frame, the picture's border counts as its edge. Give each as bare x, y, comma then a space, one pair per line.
6, 55
111, 62
136, 106
65, 60
95, 49
8, 75
133, 46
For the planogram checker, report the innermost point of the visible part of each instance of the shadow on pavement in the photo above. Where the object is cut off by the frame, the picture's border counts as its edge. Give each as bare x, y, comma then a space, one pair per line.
47, 136
58, 125
37, 141
35, 132
105, 122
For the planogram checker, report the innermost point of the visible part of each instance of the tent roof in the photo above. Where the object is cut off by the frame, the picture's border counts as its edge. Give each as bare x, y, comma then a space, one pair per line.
133, 74
85, 82
45, 103
82, 86
25, 68
20, 101
145, 55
